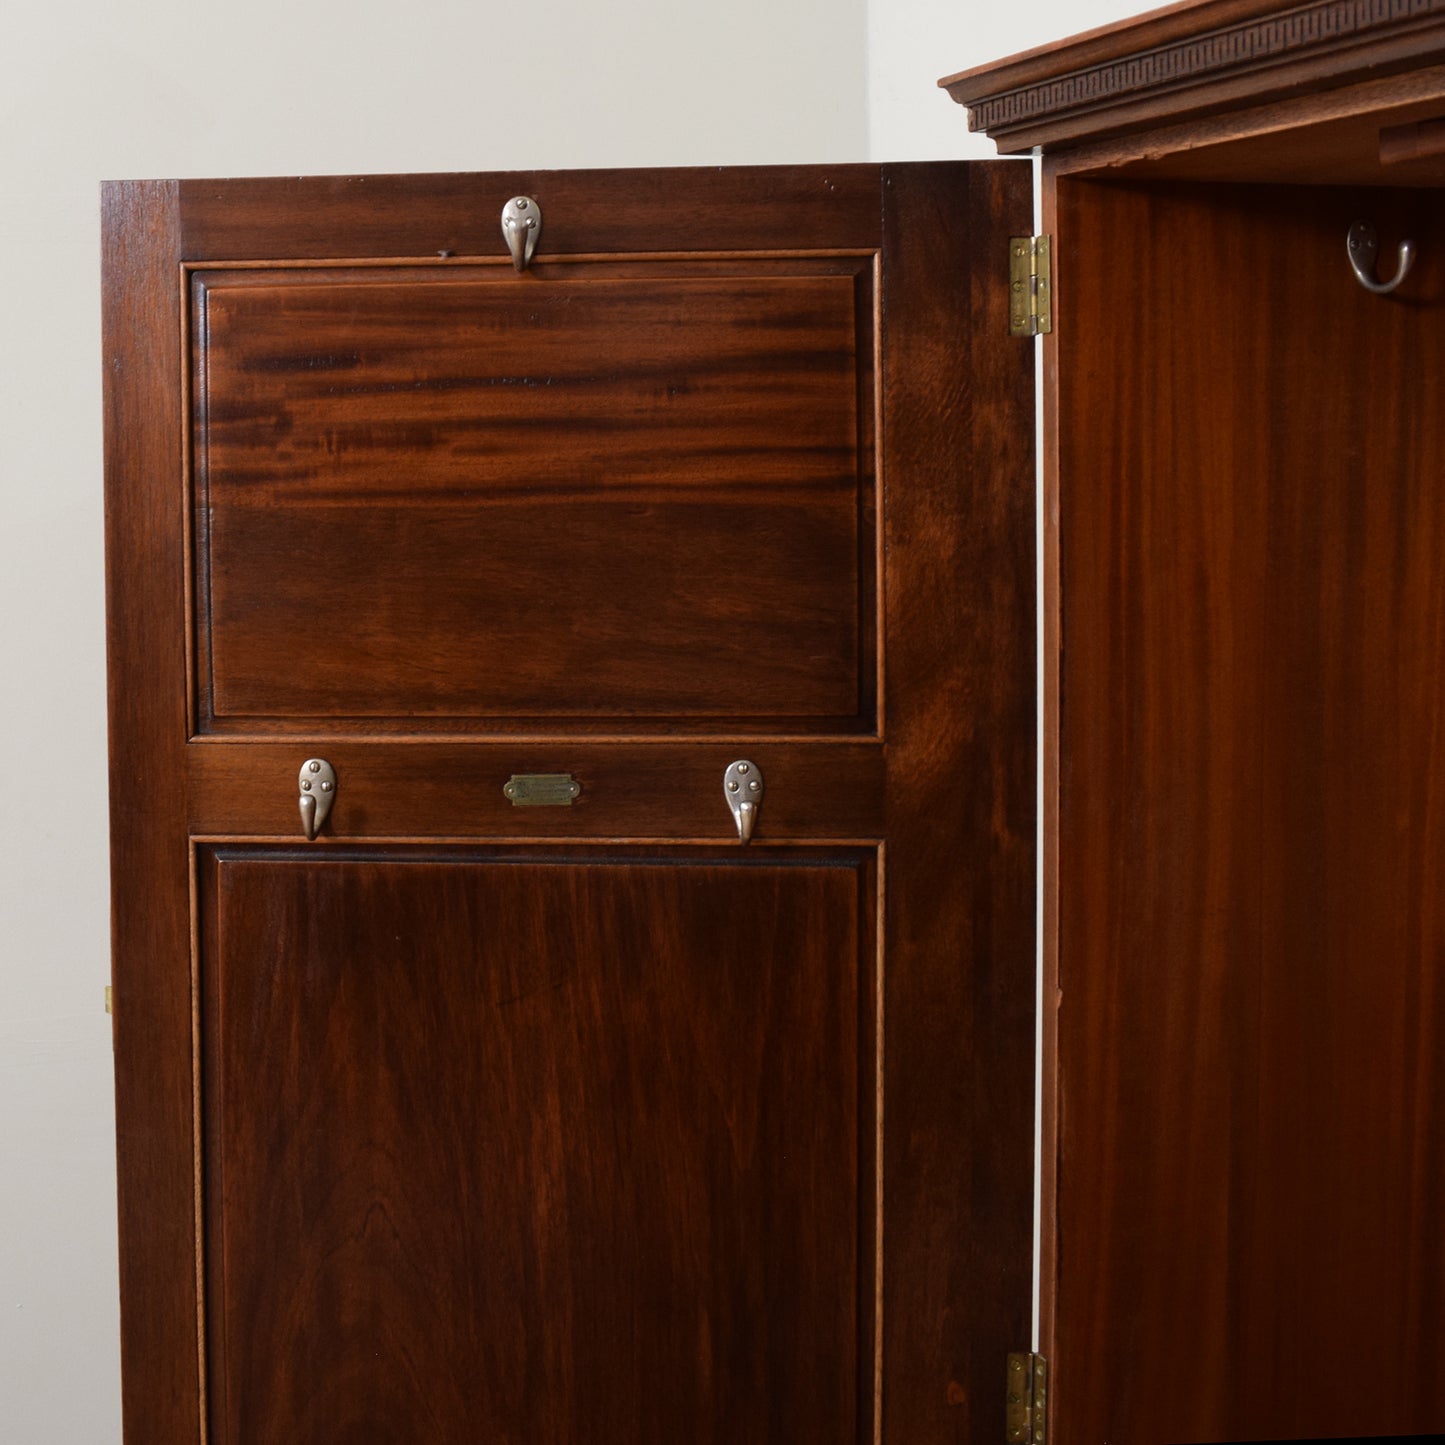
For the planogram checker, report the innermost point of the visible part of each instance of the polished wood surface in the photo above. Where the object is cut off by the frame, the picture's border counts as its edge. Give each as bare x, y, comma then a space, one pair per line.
149, 863
1241, 1111
863, 1278
619, 491
816, 788
1191, 61
663, 210
1412, 141
1250, 1097
1337, 139
959, 796
540, 1150
1314, 139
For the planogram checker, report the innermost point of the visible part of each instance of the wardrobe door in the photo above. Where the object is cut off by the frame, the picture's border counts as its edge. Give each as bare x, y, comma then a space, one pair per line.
639, 1049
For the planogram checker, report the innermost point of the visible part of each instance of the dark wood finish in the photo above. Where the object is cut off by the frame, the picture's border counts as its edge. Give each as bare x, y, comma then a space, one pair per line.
652, 789
149, 862
741, 208
1331, 138
960, 771
638, 491
892, 867
1242, 1111
1412, 141
549, 1116
1250, 1099
1050, 774
1192, 60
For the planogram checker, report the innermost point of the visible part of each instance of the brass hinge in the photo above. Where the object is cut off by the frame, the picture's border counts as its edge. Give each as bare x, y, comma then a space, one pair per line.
1027, 1413
1030, 285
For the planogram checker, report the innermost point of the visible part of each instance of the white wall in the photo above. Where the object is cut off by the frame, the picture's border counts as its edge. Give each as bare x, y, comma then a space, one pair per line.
912, 43
101, 88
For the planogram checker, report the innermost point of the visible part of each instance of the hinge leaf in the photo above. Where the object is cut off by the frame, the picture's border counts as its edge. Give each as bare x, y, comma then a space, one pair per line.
1031, 285
1027, 1399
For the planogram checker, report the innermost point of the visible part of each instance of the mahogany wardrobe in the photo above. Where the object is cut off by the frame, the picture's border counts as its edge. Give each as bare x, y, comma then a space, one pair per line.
1243, 621
576, 759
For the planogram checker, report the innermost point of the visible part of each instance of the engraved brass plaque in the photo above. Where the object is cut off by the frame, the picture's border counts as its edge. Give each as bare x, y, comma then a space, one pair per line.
542, 790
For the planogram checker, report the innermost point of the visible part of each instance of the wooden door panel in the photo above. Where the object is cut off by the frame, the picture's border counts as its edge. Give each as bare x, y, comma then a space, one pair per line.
538, 1150
610, 491
762, 1180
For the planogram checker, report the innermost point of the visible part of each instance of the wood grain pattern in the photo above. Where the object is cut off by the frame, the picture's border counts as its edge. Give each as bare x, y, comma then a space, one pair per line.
960, 807
816, 1341
538, 1151
145, 525
1251, 836
669, 210
1192, 60
1325, 138
463, 493
1412, 141
1050, 771
816, 789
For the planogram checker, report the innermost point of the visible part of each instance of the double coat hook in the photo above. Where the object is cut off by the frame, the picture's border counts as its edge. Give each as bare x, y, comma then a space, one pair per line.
743, 788
521, 226
317, 787
1362, 245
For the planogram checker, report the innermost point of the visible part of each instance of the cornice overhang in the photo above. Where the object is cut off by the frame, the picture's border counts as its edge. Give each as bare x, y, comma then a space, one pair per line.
1193, 60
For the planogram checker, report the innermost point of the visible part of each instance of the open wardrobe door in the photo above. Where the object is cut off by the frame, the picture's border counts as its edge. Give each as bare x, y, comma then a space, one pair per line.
1244, 802
572, 792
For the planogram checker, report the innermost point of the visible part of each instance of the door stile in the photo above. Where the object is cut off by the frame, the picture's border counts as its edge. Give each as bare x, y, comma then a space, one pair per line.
958, 490
1051, 677
150, 875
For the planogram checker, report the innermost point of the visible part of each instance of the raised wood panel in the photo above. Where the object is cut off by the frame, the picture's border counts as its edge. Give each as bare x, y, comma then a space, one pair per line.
1252, 825
599, 492
539, 1150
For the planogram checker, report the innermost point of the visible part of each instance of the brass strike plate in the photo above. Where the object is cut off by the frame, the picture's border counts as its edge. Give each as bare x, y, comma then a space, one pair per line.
542, 790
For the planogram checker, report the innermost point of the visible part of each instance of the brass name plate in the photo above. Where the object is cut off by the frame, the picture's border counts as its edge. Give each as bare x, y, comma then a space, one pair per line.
542, 790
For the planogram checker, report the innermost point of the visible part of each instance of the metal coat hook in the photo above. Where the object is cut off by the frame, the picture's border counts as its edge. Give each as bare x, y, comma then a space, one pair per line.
1362, 245
317, 786
521, 225
743, 788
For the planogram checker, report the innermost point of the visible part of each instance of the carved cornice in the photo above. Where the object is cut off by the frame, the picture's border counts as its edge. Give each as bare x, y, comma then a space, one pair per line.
1079, 90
